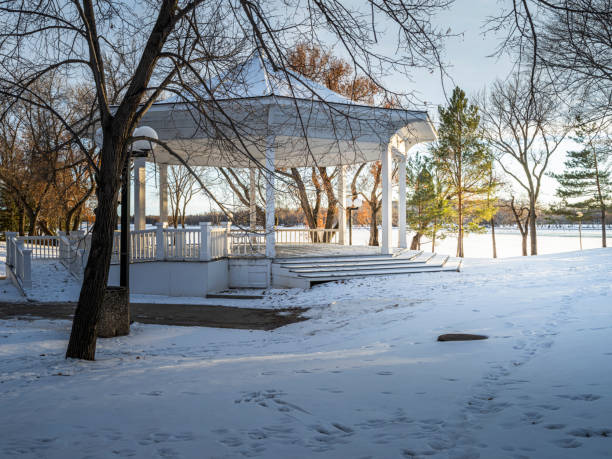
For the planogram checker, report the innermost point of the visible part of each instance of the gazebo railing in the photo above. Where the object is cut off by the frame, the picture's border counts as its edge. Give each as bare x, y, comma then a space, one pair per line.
244, 242
160, 244
143, 245
42, 247
180, 243
306, 236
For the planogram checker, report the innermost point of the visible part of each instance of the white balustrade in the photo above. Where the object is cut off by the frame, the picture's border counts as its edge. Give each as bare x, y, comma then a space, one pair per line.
42, 247
218, 242
143, 245
182, 243
288, 236
244, 242
19, 259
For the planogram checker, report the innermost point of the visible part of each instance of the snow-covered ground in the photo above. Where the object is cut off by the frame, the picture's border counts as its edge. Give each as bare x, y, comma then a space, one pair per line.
364, 377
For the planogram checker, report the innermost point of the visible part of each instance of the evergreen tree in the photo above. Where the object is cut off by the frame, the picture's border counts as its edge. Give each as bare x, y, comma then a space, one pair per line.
421, 198
9, 218
463, 160
430, 210
586, 183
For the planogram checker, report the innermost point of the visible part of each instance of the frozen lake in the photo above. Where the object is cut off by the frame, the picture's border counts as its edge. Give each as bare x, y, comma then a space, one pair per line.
508, 242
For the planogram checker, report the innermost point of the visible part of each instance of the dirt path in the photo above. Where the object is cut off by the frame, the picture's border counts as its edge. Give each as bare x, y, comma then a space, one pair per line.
171, 314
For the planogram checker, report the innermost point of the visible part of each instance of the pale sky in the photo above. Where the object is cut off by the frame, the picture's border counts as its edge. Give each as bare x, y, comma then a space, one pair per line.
469, 67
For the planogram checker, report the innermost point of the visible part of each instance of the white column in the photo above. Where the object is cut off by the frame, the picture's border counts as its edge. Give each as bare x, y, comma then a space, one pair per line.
270, 234
140, 182
401, 210
163, 194
387, 166
342, 205
252, 202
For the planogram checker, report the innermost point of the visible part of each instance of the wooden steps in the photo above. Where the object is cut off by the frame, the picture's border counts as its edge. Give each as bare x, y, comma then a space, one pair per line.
307, 272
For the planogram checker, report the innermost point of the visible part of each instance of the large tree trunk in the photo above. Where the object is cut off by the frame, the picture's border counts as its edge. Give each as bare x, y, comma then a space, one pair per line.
76, 222
532, 227
603, 227
32, 220
460, 224
332, 203
21, 221
493, 237
416, 241
82, 344
433, 237
524, 243
373, 226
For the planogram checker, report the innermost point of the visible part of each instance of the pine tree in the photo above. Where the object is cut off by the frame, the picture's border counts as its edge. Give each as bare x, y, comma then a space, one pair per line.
422, 195
464, 161
586, 183
430, 210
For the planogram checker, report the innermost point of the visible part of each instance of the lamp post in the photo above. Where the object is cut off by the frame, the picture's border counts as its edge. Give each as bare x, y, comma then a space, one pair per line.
138, 149
352, 203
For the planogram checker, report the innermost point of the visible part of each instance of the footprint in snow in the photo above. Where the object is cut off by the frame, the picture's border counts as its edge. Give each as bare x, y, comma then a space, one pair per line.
581, 397
568, 443
385, 373
590, 433
154, 393
554, 426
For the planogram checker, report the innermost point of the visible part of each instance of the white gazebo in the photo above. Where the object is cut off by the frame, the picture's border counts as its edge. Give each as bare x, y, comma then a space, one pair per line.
259, 117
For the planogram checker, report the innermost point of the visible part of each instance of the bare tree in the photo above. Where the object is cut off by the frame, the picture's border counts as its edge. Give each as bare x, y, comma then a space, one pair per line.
172, 46
180, 191
567, 42
521, 214
524, 127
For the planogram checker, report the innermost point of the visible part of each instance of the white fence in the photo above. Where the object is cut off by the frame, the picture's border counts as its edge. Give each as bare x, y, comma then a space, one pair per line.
19, 259
42, 247
306, 236
171, 244
247, 242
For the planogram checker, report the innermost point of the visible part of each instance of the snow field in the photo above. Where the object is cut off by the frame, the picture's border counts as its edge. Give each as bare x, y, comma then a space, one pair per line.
364, 377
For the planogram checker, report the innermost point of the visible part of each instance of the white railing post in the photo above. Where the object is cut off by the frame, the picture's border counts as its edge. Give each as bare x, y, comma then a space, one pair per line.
19, 258
26, 275
228, 239
10, 250
179, 237
205, 241
160, 247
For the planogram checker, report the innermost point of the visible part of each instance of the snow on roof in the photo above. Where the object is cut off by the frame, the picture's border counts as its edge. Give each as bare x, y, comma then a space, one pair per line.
256, 77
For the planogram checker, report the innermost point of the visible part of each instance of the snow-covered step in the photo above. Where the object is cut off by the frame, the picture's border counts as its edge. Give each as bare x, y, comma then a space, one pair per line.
341, 259
235, 295
289, 261
371, 266
352, 264
306, 272
367, 273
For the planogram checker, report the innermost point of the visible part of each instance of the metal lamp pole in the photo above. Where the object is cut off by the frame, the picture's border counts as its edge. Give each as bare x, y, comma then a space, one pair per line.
355, 204
124, 261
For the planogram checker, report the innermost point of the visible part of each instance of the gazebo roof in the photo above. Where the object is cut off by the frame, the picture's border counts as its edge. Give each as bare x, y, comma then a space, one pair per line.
256, 77
231, 122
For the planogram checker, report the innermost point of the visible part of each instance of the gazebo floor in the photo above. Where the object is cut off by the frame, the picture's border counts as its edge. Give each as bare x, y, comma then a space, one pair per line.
328, 250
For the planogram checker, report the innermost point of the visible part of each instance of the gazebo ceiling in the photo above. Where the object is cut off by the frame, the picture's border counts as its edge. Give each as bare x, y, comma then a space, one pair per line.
311, 125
